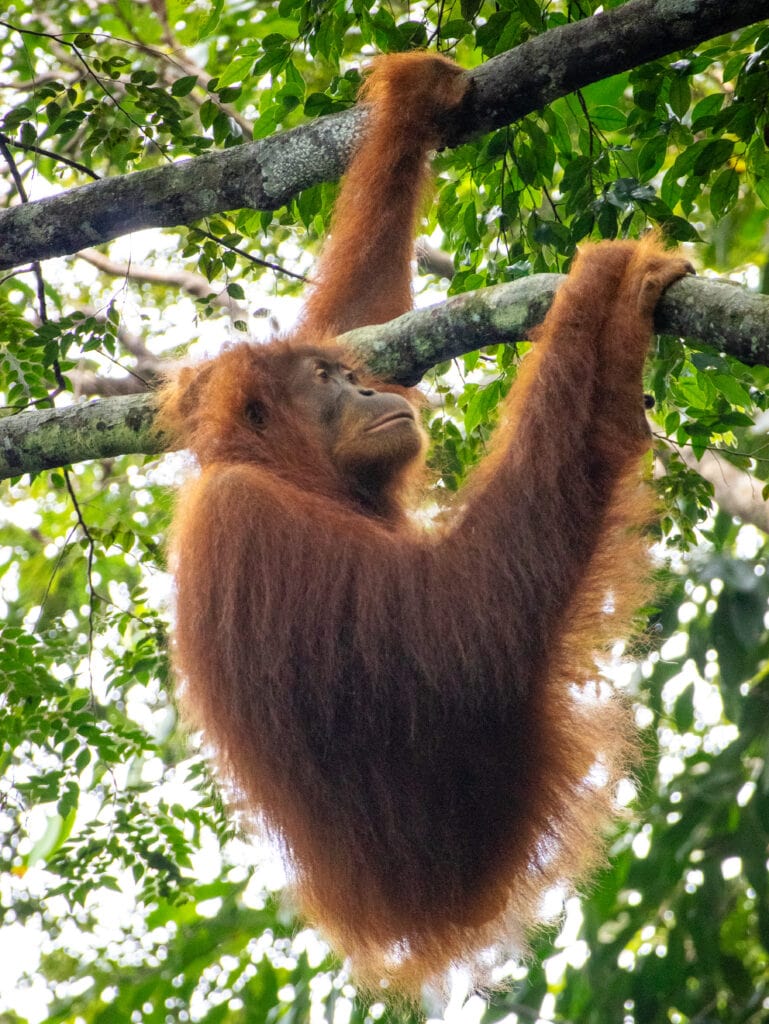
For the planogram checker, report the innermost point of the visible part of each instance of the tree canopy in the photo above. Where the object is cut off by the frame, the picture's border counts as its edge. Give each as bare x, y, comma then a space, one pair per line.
168, 172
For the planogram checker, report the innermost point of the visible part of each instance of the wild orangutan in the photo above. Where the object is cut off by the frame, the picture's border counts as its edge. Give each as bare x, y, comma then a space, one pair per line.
413, 713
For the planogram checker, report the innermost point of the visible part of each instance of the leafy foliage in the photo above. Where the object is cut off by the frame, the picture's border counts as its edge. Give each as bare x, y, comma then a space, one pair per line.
116, 852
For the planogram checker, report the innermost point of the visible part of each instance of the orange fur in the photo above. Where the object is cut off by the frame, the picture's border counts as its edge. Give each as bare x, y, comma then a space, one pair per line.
413, 716
367, 258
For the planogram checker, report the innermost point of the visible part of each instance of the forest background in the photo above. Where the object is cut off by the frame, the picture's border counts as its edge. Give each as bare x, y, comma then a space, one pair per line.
126, 893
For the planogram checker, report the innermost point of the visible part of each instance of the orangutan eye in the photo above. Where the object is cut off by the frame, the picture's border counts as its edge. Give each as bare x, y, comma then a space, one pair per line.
350, 377
321, 373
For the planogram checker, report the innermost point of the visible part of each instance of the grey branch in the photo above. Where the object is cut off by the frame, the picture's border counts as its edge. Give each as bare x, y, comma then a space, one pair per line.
49, 438
264, 175
716, 313
570, 57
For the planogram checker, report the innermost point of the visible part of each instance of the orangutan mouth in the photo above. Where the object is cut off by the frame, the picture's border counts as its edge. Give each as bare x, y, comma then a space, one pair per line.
386, 421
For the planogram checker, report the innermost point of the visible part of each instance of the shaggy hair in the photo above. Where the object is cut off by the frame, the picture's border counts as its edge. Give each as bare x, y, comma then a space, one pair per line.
414, 715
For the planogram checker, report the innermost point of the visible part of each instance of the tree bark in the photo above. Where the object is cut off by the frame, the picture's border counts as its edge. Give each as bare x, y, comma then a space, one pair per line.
717, 313
567, 58
266, 174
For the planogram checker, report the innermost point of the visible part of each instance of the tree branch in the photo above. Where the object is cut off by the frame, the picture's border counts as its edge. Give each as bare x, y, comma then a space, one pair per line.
717, 313
264, 175
32, 441
567, 58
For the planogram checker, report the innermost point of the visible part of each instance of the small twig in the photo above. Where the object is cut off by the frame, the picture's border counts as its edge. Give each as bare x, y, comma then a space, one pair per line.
267, 264
52, 154
89, 571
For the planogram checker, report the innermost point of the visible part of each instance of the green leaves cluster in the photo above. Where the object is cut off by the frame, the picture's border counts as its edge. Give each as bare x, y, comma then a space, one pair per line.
683, 910
99, 794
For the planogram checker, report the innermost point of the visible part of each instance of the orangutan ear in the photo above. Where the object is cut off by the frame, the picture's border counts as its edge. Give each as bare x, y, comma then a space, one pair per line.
256, 416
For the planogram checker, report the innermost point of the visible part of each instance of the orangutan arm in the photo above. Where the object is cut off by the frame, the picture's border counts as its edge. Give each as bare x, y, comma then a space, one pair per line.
364, 273
560, 492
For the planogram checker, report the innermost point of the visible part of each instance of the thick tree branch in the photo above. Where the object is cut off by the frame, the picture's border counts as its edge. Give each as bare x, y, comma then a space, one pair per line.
49, 438
266, 174
570, 57
717, 313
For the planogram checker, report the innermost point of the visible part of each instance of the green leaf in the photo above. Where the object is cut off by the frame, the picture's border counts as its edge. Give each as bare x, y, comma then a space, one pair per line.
526, 163
732, 389
483, 401
470, 8
237, 70
214, 14
608, 118
208, 113
761, 186
456, 28
184, 86
680, 95
705, 111
532, 12
724, 192
14, 117
317, 104
651, 156
672, 422
713, 154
